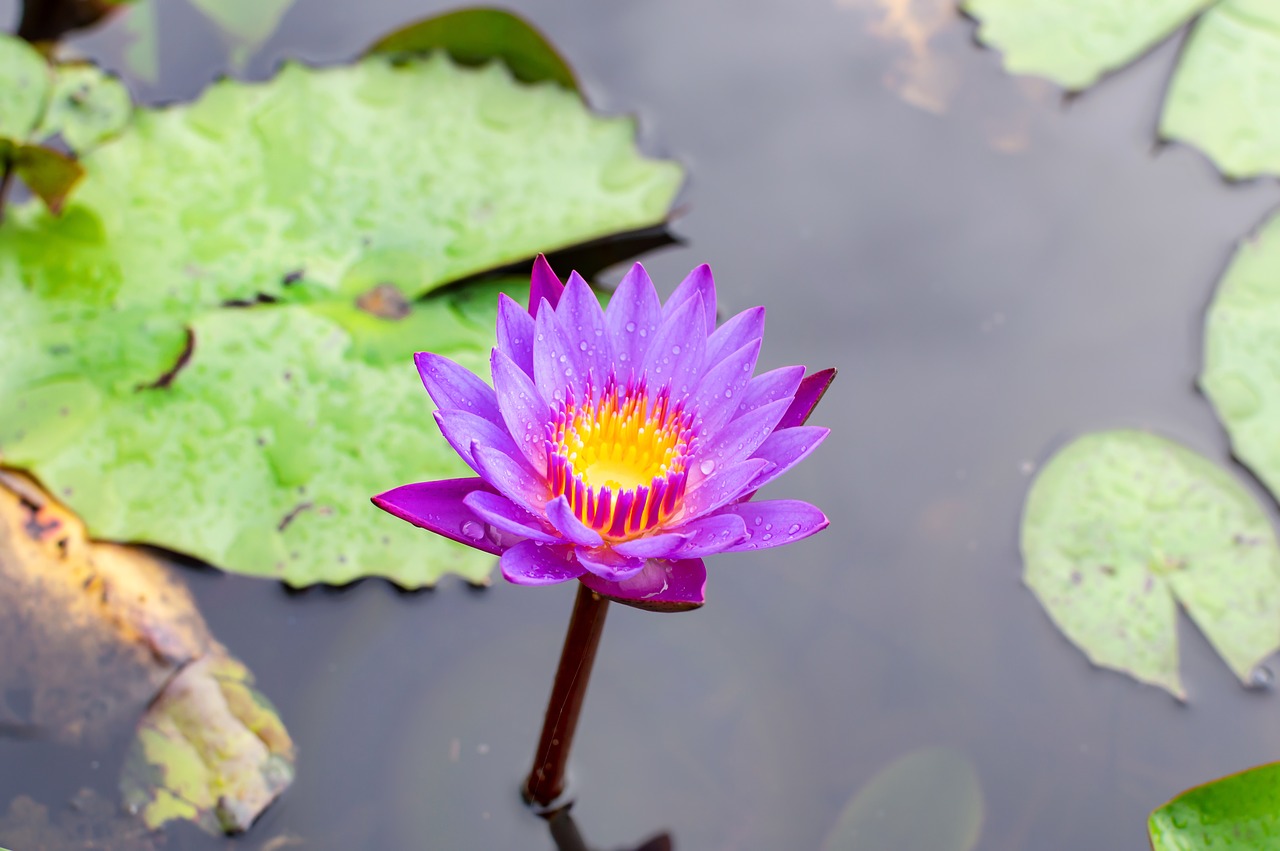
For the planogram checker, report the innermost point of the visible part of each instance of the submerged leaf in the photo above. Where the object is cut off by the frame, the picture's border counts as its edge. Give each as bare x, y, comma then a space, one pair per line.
1120, 525
929, 800
250, 436
477, 36
1240, 811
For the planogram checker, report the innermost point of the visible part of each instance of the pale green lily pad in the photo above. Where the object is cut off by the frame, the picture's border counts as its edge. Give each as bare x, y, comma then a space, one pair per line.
1224, 98
252, 437
1241, 811
25, 80
142, 55
928, 800
210, 750
1121, 526
247, 24
1075, 42
86, 107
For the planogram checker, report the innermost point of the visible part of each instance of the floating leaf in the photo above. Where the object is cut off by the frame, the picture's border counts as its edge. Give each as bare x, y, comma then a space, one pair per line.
929, 800
49, 175
86, 107
252, 436
477, 36
25, 80
246, 23
142, 55
1120, 525
1240, 811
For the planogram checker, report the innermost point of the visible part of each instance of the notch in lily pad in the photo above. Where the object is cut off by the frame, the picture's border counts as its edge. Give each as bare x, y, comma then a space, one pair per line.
1123, 526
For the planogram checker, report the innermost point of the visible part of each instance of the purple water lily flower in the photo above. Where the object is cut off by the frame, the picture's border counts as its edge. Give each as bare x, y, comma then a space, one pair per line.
618, 446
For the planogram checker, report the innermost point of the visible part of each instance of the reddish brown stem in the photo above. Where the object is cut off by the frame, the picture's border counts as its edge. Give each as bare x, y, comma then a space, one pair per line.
545, 784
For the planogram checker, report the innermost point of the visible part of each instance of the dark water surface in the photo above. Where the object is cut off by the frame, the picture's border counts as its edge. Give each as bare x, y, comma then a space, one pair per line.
993, 275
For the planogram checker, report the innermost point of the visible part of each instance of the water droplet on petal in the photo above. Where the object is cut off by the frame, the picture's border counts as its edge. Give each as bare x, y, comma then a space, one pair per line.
795, 527
472, 530
631, 326
583, 345
766, 536
675, 350
707, 467
759, 520
728, 393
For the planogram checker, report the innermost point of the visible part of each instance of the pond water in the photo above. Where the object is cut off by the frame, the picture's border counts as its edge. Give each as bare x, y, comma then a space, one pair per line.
993, 268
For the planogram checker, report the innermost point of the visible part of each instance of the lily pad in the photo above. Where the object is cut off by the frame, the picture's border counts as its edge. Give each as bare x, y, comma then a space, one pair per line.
1121, 526
246, 24
86, 107
193, 355
27, 79
1240, 811
928, 800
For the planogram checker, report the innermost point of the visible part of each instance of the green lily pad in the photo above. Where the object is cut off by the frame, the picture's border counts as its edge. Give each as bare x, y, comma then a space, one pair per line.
1240, 811
928, 800
210, 750
86, 107
1121, 526
247, 24
26, 79
251, 436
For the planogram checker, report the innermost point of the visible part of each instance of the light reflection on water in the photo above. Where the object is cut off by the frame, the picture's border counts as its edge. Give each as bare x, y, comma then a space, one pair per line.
984, 302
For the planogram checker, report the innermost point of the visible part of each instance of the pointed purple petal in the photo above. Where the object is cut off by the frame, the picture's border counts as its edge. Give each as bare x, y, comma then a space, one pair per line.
654, 546
698, 283
722, 487
771, 386
710, 535
582, 318
558, 365
515, 333
438, 507
632, 318
662, 586
734, 334
786, 448
775, 522
718, 396
452, 386
524, 411
511, 477
462, 429
567, 524
735, 442
677, 349
527, 563
607, 564
501, 512
543, 283
807, 397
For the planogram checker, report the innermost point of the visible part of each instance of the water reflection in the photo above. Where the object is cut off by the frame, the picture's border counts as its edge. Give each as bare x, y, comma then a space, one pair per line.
567, 837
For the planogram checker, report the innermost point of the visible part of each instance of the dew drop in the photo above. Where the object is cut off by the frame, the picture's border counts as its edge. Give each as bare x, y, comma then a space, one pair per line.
631, 326
472, 530
759, 520
707, 467
766, 536
582, 346
623, 356
675, 350
795, 527
728, 393
644, 333
1262, 677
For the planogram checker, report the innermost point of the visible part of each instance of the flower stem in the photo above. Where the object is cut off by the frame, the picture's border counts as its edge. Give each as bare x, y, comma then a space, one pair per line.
545, 783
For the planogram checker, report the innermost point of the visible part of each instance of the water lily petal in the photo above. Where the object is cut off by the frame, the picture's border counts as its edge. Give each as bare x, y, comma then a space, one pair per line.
786, 448
543, 284
453, 386
607, 564
719, 394
511, 477
712, 534
583, 320
515, 332
559, 369
563, 518
632, 318
678, 348
735, 442
528, 563
524, 411
662, 586
774, 522
807, 397
722, 487
771, 386
439, 507
697, 284
496, 510
463, 428
654, 546
734, 334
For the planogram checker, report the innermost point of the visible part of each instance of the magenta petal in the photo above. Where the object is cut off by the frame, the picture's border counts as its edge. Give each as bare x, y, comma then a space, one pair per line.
452, 386
807, 397
567, 524
558, 363
631, 319
654, 546
607, 564
528, 563
713, 534
438, 507
735, 442
462, 429
774, 522
697, 284
786, 448
582, 318
771, 386
734, 334
523, 409
677, 349
511, 477
515, 333
722, 487
496, 510
719, 394
662, 586
543, 283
